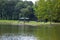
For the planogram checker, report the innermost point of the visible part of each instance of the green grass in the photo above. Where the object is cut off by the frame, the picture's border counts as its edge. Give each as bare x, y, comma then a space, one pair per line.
8, 22
16, 22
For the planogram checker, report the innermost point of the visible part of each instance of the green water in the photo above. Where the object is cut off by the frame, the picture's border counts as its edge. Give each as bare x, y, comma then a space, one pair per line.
43, 32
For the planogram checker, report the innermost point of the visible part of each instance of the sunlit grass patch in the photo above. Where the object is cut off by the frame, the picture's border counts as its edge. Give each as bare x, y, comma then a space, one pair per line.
16, 22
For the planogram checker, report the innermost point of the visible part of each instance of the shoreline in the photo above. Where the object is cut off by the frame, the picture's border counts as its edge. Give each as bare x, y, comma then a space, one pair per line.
28, 24
32, 23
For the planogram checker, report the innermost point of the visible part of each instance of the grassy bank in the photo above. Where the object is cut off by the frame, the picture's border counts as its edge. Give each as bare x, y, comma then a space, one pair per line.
8, 22
16, 22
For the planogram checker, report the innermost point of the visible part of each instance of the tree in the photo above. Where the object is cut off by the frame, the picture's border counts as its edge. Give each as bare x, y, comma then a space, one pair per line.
41, 9
48, 9
13, 9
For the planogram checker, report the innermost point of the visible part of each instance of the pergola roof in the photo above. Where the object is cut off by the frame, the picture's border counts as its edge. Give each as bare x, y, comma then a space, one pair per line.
23, 18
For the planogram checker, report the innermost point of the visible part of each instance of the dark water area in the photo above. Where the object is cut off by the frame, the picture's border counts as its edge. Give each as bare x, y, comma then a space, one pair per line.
21, 32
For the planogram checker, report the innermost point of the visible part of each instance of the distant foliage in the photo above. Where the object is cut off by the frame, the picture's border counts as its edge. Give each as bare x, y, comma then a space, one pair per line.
14, 9
48, 9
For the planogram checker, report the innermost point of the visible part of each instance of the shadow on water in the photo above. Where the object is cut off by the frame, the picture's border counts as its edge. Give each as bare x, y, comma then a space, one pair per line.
27, 32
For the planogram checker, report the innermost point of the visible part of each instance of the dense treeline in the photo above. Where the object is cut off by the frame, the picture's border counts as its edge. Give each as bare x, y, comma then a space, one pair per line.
48, 10
43, 10
14, 9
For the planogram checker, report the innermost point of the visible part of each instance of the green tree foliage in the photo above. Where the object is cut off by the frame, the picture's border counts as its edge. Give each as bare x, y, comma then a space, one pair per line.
13, 9
47, 9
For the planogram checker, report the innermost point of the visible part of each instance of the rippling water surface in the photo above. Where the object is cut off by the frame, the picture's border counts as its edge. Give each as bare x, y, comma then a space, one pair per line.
17, 37
20, 32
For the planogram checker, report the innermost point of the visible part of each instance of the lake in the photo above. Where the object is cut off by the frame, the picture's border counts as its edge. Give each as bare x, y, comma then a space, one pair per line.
27, 32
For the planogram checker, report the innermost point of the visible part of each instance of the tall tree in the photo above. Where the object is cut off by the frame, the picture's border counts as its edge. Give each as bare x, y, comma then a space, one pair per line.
48, 9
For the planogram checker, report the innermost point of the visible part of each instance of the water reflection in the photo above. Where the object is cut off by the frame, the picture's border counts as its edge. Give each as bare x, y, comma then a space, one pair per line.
17, 37
16, 32
16, 29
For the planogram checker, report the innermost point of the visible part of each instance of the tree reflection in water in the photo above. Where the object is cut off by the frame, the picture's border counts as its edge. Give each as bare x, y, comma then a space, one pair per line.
17, 37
